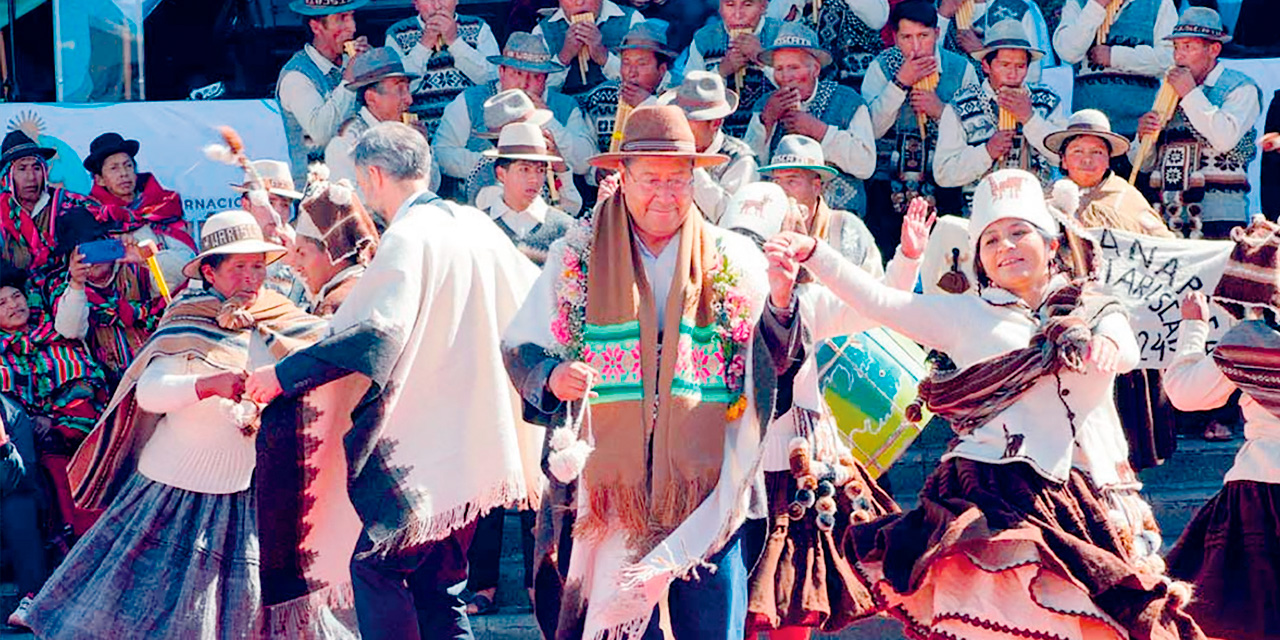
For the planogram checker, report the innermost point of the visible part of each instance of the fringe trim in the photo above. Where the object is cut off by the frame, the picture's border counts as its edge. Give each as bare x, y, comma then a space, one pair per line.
296, 618
629, 504
425, 528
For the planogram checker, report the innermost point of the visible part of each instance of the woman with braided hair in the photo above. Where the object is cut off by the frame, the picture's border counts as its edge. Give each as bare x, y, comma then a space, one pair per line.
175, 553
1011, 537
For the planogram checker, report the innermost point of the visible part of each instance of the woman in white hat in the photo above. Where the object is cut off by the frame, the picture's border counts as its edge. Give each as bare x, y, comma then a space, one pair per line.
176, 552
1010, 537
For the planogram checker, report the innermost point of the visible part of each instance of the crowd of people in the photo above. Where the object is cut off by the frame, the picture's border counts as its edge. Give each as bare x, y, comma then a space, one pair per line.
584, 275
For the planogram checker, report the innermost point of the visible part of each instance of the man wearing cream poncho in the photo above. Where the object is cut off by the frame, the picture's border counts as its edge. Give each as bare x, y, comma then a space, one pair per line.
663, 493
436, 440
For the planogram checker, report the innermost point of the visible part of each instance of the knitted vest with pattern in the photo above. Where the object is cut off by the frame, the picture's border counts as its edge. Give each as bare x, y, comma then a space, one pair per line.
835, 105
979, 116
712, 41
443, 81
1124, 97
611, 34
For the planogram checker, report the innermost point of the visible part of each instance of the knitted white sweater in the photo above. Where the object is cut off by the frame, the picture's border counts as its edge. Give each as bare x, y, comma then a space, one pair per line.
197, 445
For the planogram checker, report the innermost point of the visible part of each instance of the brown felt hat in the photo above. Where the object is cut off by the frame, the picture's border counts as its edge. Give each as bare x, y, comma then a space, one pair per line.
657, 132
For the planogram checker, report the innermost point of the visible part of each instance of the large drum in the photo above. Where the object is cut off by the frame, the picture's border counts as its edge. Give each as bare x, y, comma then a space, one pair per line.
868, 380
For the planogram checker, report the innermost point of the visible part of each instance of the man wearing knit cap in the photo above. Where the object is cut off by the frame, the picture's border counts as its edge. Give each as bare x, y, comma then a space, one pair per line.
312, 88
525, 64
904, 152
1002, 122
643, 75
647, 313
335, 240
447, 51
437, 439
707, 103
1201, 157
508, 107
830, 113
1119, 58
715, 49
381, 85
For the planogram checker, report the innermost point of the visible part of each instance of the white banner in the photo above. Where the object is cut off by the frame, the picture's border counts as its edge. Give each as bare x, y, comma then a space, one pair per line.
172, 136
1150, 276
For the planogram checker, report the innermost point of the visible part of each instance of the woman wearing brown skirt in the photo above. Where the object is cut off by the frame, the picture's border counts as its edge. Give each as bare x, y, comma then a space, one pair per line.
1011, 538
814, 486
1230, 550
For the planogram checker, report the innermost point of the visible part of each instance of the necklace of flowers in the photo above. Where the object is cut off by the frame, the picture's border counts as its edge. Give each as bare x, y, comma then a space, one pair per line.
732, 308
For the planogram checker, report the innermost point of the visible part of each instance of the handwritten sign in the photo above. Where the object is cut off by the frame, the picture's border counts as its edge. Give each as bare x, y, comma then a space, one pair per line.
1150, 276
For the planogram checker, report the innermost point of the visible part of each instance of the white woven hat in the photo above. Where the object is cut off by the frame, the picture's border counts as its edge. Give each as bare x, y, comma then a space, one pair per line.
522, 141
229, 233
759, 207
1009, 193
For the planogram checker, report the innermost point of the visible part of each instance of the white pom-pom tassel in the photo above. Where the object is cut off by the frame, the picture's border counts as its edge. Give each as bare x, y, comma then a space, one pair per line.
567, 464
219, 153
1065, 197
562, 438
317, 172
339, 194
259, 197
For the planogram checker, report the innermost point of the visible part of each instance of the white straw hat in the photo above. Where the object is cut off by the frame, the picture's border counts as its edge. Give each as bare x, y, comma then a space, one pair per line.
230, 233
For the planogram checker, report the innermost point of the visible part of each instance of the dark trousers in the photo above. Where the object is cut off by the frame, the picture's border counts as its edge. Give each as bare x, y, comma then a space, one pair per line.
20, 518
485, 554
413, 593
711, 605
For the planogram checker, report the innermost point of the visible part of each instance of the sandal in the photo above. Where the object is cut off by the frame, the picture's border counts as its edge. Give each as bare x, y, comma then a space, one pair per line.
1217, 432
481, 605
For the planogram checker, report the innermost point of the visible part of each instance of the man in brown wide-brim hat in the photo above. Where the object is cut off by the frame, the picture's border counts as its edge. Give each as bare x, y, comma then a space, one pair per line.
649, 310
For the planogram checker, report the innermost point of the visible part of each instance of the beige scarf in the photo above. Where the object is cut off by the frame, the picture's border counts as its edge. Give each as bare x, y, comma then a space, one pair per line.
659, 422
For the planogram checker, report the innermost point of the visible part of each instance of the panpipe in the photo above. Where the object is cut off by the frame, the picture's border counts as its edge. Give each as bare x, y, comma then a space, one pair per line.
349, 48
1104, 29
410, 119
817, 11
964, 15
439, 43
1165, 104
1007, 121
583, 54
741, 75
927, 83
552, 191
619, 122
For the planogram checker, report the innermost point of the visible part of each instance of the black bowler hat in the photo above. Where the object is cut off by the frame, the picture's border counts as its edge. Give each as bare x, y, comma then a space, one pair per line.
19, 145
105, 146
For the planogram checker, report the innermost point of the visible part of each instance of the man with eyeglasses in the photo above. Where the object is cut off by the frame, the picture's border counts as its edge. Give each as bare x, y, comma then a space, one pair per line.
650, 311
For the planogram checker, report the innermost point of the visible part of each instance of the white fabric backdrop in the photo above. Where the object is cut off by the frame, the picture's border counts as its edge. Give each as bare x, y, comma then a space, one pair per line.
172, 136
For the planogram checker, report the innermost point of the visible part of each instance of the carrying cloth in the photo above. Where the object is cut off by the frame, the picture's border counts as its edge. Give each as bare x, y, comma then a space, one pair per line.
969, 398
153, 205
676, 414
305, 568
193, 328
1248, 357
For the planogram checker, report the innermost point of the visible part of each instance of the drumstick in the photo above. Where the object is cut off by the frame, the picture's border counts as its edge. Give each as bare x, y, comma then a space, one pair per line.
148, 249
1166, 102
583, 54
